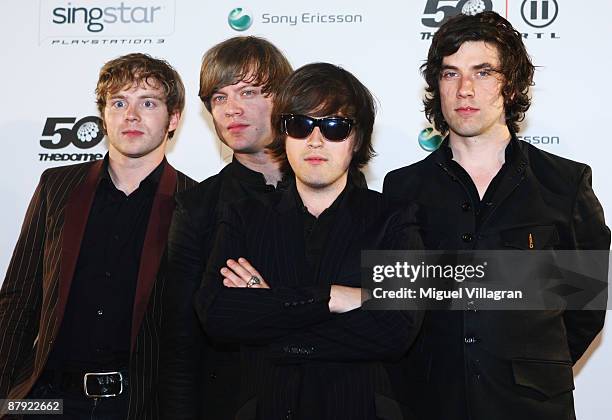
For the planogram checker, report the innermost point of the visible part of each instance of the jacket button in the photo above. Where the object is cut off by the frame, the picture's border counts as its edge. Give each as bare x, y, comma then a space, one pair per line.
467, 237
466, 206
470, 340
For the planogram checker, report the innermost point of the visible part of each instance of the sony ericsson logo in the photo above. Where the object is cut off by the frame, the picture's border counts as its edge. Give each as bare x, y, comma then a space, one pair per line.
81, 18
429, 139
239, 19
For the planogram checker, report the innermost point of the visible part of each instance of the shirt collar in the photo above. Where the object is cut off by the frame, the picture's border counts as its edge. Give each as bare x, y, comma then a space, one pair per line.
331, 209
510, 150
242, 173
150, 183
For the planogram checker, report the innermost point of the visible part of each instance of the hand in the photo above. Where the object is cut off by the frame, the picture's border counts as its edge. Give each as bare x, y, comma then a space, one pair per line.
343, 298
238, 273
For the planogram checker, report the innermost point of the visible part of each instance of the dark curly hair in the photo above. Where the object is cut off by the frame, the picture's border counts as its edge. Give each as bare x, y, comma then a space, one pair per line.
321, 89
515, 64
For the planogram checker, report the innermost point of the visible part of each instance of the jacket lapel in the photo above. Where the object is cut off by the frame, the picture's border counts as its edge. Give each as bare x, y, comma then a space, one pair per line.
154, 245
75, 220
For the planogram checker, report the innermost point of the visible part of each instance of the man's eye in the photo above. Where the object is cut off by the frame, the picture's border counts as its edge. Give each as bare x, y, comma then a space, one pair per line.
149, 104
118, 104
249, 92
482, 74
218, 98
449, 74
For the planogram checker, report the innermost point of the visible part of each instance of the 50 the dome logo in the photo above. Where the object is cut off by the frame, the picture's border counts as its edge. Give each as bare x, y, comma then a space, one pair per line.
438, 11
84, 134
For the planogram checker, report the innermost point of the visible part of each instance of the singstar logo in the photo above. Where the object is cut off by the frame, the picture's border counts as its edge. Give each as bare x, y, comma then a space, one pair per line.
109, 18
94, 18
239, 19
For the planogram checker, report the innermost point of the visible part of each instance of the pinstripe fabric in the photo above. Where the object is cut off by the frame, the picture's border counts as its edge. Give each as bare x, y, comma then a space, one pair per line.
298, 359
30, 306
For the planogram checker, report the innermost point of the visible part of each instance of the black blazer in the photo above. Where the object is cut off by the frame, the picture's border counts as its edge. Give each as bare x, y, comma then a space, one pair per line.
501, 364
300, 361
198, 376
37, 282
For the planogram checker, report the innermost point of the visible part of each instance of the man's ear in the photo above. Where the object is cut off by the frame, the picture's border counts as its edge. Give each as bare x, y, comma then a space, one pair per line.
173, 122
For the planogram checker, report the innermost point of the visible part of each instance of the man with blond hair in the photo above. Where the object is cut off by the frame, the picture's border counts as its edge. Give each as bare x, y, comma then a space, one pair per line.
239, 78
84, 297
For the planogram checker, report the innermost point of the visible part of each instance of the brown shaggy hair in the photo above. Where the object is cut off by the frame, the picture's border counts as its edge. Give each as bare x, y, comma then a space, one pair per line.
138, 69
242, 58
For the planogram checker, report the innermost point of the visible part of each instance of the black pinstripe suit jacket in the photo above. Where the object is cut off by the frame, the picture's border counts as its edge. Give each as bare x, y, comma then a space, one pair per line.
37, 283
299, 361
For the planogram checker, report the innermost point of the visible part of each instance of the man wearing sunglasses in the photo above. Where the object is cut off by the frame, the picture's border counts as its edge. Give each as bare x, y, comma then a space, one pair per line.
283, 279
239, 78
484, 189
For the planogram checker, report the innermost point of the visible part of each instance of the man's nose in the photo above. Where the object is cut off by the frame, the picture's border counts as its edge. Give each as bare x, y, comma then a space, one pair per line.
316, 138
131, 112
233, 106
466, 87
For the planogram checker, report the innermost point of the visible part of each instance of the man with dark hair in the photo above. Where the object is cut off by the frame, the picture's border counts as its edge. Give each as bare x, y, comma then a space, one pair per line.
84, 293
484, 189
283, 279
239, 78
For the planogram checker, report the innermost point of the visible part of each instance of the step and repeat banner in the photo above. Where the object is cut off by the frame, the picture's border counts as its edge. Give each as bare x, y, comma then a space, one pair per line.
52, 51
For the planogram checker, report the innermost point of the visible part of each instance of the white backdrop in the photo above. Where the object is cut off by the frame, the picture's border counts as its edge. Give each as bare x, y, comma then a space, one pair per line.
52, 51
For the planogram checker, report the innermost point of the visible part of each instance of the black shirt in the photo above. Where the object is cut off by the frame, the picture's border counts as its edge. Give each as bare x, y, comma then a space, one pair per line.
481, 207
240, 182
316, 230
96, 330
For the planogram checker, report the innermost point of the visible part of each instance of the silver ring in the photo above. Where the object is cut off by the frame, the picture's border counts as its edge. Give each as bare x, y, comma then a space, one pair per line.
253, 280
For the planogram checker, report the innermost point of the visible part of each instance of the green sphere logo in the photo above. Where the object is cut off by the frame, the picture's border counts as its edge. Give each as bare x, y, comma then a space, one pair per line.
429, 139
240, 19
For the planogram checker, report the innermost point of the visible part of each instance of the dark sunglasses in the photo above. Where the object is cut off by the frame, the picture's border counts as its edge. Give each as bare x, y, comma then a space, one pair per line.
332, 128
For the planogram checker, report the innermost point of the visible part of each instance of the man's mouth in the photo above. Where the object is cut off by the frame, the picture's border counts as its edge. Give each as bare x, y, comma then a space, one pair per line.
236, 127
132, 133
315, 160
466, 110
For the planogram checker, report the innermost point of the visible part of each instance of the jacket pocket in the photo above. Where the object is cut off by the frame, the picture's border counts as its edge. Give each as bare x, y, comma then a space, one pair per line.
550, 378
531, 237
